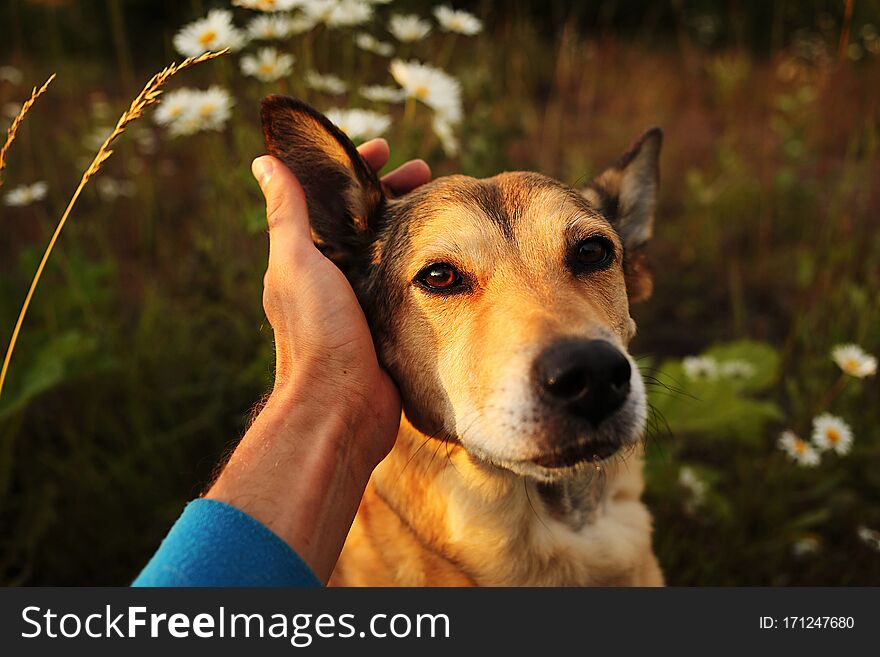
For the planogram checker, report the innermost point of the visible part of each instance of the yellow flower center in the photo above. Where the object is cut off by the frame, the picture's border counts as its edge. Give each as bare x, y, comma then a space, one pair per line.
421, 92
833, 436
267, 68
207, 109
207, 37
800, 446
851, 365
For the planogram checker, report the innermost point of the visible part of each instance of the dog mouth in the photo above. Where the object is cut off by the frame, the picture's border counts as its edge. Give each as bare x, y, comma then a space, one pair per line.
589, 452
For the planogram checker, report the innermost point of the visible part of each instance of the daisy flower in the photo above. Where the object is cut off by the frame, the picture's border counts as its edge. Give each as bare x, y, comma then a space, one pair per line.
434, 87
173, 105
853, 360
268, 5
461, 22
351, 12
700, 367
800, 451
96, 137
831, 432
10, 110
300, 23
371, 44
806, 546
359, 123
110, 189
328, 84
23, 195
379, 93
736, 369
408, 27
11, 74
870, 537
214, 32
268, 28
694, 485
339, 13
267, 65
213, 108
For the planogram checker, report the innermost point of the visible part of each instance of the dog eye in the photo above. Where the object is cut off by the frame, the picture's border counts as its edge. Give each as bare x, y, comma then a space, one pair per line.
439, 276
592, 253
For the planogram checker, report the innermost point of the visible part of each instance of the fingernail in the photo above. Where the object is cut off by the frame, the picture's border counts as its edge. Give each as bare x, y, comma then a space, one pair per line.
262, 169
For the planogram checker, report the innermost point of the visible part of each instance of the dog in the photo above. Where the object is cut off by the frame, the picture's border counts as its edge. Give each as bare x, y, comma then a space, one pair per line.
500, 307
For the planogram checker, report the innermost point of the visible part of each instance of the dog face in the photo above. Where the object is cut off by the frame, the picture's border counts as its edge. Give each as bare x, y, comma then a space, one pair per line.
500, 306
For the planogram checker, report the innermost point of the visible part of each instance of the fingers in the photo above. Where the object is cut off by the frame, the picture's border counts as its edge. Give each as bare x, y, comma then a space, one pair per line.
286, 211
405, 178
408, 176
375, 152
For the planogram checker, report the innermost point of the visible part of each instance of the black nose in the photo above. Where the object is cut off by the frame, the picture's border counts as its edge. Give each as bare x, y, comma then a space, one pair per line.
588, 378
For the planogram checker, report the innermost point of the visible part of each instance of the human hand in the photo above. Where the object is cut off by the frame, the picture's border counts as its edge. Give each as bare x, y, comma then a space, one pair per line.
324, 350
333, 413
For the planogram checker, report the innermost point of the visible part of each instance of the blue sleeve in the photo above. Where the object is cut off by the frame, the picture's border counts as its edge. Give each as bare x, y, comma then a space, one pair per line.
215, 544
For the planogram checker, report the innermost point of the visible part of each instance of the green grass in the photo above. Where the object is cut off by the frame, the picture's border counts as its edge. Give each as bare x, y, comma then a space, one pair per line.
146, 346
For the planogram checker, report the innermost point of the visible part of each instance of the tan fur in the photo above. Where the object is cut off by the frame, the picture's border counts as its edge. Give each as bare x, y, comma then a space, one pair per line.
433, 515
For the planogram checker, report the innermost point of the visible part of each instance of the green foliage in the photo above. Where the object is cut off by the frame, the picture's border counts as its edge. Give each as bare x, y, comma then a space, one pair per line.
719, 407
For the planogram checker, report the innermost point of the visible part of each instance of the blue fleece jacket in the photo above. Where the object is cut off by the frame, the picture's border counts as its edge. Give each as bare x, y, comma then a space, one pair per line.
215, 544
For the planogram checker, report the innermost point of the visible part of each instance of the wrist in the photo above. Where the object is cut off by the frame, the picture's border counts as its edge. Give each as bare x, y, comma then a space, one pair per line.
301, 470
345, 428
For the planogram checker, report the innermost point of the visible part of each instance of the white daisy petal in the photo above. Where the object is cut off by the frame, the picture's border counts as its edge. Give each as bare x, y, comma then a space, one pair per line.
408, 27
269, 5
173, 105
382, 94
371, 44
870, 537
806, 546
461, 22
213, 107
854, 360
432, 86
359, 124
328, 84
800, 451
11, 74
736, 369
269, 27
832, 433
267, 65
338, 13
214, 32
26, 194
700, 367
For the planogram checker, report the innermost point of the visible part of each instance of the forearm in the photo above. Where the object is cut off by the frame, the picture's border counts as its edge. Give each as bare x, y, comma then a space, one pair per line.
300, 470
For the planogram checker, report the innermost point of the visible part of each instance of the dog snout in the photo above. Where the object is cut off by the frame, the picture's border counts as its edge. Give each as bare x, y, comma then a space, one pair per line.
586, 378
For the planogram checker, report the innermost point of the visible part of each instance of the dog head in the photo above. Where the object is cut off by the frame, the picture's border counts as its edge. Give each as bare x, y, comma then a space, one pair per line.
500, 306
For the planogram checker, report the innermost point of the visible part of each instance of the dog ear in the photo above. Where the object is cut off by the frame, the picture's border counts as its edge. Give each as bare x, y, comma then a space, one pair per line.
344, 195
626, 193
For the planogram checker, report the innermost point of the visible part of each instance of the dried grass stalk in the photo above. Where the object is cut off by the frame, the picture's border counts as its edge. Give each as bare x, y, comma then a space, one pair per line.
16, 122
148, 96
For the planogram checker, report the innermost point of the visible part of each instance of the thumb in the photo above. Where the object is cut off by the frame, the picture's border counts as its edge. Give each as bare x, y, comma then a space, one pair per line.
287, 212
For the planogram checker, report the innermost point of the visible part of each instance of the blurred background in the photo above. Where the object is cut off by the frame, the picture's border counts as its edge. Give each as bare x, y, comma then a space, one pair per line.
146, 346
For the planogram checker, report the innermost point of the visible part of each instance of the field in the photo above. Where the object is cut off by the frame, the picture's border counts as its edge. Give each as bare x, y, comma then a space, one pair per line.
146, 348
